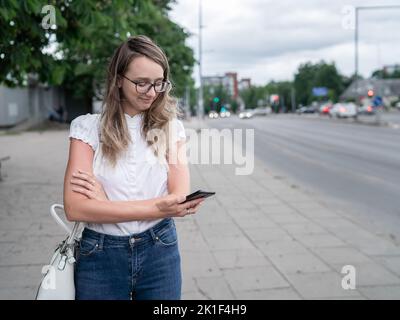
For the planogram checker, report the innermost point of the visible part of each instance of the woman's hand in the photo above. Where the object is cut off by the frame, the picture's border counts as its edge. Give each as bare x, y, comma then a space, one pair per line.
171, 206
87, 184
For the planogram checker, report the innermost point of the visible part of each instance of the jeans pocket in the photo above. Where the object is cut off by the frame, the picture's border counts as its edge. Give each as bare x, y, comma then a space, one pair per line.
167, 236
88, 246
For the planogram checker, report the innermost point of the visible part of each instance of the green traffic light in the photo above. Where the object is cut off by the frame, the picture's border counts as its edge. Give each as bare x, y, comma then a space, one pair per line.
216, 99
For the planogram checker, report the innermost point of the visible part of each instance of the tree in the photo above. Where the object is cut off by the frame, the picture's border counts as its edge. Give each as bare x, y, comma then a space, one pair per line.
284, 90
252, 95
75, 53
321, 74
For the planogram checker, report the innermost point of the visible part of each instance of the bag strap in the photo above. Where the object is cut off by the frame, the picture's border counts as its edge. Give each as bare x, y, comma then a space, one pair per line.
71, 233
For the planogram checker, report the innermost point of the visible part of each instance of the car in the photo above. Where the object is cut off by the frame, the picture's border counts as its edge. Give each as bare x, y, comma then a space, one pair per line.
250, 113
213, 115
246, 114
309, 109
225, 114
324, 109
367, 110
263, 111
343, 110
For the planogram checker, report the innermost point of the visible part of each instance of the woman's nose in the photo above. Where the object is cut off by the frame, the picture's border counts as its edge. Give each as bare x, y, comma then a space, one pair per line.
151, 93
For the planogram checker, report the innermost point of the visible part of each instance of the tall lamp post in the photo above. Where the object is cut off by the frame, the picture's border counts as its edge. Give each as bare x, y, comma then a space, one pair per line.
357, 9
200, 98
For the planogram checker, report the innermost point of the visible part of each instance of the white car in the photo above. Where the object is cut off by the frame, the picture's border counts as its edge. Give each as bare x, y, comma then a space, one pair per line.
246, 114
344, 110
249, 113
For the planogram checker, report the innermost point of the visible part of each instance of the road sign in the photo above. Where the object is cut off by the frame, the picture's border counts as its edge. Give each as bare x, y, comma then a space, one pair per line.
319, 91
377, 101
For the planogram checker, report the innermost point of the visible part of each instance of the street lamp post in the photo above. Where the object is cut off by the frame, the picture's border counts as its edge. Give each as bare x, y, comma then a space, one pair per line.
200, 97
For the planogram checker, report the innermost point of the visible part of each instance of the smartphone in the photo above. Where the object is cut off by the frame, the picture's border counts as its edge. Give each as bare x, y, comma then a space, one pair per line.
198, 194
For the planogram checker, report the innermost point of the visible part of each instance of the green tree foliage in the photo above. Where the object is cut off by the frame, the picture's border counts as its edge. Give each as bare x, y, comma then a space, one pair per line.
321, 74
75, 53
252, 95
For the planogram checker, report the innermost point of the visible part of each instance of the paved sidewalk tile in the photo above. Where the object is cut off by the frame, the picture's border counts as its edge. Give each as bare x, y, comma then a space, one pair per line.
251, 278
214, 288
320, 285
297, 263
381, 293
230, 259
272, 294
260, 237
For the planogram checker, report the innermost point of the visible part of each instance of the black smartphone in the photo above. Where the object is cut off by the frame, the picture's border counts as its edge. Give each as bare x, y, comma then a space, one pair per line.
198, 194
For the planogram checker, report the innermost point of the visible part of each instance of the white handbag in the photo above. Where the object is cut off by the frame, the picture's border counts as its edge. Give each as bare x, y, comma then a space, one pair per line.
58, 280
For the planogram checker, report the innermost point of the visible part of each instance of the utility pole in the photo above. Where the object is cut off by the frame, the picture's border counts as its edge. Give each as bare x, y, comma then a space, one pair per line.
293, 99
200, 97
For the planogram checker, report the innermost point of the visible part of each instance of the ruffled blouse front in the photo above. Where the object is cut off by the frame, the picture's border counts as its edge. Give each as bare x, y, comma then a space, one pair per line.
138, 174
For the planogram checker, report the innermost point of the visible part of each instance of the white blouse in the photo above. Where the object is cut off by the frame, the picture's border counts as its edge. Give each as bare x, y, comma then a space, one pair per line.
138, 175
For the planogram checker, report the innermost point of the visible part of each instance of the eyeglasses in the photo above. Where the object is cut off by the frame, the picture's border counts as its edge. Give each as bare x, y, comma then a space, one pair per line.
144, 86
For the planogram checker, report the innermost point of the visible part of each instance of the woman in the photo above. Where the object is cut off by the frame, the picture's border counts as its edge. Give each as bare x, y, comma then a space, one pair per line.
126, 178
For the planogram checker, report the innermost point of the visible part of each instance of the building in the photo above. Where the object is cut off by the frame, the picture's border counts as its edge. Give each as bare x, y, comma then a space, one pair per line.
244, 84
385, 88
34, 103
230, 82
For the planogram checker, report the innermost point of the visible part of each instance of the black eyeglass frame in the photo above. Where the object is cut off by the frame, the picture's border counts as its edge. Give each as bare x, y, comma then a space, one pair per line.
168, 83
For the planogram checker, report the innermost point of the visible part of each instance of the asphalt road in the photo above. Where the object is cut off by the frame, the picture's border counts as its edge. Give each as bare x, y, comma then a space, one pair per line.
353, 167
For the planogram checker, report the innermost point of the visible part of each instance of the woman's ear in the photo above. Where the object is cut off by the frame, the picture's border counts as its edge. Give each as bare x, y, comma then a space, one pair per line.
119, 82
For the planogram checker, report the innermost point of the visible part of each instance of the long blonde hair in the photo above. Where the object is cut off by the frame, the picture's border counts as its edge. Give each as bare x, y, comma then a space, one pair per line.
115, 137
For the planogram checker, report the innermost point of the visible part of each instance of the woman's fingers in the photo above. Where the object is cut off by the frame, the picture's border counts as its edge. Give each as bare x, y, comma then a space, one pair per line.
189, 206
85, 176
79, 182
83, 191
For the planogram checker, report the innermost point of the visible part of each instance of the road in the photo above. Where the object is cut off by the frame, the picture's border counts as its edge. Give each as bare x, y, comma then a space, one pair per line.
354, 168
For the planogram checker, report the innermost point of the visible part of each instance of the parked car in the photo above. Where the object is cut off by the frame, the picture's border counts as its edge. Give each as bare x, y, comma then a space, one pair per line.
213, 114
309, 109
246, 114
343, 110
324, 108
249, 113
367, 110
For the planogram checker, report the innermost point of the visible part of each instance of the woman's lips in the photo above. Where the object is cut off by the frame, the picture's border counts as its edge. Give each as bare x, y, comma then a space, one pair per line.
146, 100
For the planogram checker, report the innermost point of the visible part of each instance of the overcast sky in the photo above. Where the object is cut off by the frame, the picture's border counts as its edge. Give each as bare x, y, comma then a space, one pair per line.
267, 40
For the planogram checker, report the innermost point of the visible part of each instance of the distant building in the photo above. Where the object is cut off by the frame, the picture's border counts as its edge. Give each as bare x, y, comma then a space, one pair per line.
228, 81
388, 88
391, 68
244, 84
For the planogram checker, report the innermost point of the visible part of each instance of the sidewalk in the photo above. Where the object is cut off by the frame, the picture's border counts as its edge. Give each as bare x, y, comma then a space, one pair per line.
258, 238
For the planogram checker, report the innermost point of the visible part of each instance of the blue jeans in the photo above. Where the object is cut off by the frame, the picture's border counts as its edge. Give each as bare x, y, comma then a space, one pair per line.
143, 266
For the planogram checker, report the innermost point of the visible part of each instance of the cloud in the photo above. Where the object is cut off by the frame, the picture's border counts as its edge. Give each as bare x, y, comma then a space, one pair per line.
267, 40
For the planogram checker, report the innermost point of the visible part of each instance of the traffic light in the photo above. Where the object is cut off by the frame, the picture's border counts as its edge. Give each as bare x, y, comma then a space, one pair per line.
370, 93
216, 100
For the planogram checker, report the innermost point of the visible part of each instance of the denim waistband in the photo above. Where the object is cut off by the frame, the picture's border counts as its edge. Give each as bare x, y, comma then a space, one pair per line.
145, 236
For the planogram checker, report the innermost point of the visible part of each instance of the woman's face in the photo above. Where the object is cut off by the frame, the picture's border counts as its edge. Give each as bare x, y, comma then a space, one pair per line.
141, 69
